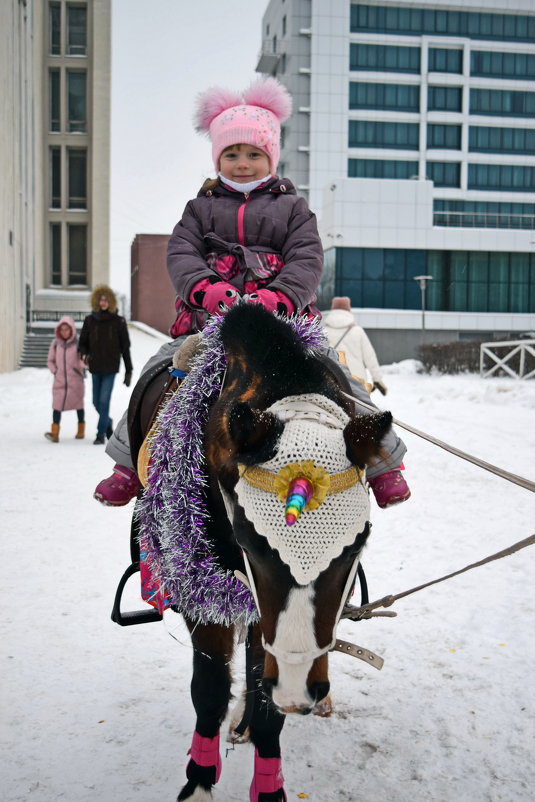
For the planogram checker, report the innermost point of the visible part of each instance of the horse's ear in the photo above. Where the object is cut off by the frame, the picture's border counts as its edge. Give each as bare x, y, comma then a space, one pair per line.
254, 434
363, 435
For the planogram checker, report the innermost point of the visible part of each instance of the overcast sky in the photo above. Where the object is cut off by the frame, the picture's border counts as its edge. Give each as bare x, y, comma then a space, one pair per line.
163, 53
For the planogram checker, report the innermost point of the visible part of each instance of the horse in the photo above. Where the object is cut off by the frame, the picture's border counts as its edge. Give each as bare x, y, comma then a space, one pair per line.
284, 514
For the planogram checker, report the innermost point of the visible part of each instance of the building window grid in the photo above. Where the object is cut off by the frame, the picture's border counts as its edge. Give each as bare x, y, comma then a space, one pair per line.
372, 134
501, 177
377, 168
442, 59
463, 281
68, 238
384, 58
444, 98
483, 214
426, 21
443, 137
489, 64
501, 102
444, 174
388, 97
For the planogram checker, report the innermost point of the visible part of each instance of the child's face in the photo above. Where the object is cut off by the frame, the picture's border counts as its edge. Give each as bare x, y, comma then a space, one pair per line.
64, 331
243, 163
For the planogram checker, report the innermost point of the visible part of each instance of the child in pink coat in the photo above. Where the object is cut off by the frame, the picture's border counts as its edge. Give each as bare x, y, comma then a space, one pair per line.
69, 374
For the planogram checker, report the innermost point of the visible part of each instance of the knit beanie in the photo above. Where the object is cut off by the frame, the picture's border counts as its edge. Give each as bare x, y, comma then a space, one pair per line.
253, 118
342, 302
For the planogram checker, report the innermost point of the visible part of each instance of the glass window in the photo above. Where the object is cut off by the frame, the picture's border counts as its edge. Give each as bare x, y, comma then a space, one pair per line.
383, 58
502, 102
418, 21
284, 25
55, 178
444, 174
444, 98
374, 168
77, 254
54, 122
501, 177
76, 30
397, 97
367, 134
444, 137
502, 65
54, 29
444, 60
77, 166
501, 140
77, 101
55, 253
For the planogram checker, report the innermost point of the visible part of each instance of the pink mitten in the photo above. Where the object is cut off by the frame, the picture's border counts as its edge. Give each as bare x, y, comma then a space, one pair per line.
272, 300
215, 298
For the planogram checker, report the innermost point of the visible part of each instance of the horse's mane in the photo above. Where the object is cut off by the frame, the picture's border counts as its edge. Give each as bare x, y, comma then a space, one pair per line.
274, 350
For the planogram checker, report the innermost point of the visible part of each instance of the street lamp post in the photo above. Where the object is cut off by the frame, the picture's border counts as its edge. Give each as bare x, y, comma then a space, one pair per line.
422, 280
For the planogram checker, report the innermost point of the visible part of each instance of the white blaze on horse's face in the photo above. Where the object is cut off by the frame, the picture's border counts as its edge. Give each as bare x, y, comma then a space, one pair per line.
295, 634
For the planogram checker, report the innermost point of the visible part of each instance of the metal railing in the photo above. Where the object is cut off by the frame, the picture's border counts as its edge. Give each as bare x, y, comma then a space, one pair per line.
517, 361
483, 220
39, 315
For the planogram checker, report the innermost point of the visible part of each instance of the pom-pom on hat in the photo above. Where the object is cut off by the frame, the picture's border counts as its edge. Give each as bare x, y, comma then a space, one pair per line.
253, 118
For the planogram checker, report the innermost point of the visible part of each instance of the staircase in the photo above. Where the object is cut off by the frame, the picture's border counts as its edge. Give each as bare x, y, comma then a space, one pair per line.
35, 348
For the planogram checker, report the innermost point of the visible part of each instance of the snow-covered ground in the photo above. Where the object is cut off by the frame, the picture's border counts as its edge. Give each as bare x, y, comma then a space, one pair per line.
91, 711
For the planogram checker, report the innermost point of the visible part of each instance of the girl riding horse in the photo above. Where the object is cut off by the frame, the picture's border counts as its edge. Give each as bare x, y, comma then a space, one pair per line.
246, 235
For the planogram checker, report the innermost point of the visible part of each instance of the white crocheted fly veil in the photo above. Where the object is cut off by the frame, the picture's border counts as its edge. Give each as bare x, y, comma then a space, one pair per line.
314, 430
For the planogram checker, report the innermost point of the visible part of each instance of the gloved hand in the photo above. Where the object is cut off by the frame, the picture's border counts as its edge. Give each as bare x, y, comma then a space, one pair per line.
127, 379
272, 300
218, 297
380, 386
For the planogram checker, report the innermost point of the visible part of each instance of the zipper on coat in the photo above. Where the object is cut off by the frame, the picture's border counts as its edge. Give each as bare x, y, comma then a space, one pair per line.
241, 215
65, 378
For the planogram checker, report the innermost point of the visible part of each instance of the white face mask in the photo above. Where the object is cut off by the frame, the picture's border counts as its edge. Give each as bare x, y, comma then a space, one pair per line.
244, 187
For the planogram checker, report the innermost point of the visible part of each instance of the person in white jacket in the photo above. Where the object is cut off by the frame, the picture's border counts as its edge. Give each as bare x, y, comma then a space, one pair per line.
343, 334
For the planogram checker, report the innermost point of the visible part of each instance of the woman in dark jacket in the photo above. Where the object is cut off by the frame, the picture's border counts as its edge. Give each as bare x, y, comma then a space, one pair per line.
103, 341
246, 235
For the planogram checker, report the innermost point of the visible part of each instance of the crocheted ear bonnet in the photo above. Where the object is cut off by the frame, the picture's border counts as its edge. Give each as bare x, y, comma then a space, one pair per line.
312, 445
253, 118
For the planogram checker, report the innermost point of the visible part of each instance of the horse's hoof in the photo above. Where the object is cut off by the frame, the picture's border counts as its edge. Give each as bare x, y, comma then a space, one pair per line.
324, 708
234, 737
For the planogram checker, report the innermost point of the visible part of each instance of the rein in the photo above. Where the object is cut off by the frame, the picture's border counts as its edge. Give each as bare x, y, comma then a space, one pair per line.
367, 610
510, 477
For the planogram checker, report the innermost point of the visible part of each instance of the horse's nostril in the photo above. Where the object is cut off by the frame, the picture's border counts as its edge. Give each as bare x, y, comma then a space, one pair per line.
319, 690
268, 685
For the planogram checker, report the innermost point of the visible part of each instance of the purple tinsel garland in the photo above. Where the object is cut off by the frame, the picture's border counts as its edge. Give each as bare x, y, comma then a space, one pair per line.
172, 511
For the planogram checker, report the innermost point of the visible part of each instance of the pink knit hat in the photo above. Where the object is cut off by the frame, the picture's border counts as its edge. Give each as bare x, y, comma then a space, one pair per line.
253, 118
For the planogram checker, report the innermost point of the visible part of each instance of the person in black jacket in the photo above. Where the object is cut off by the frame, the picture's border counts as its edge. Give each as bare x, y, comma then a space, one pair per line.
103, 341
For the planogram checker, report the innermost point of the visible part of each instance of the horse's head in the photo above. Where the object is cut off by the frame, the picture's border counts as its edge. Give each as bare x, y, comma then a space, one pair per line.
290, 461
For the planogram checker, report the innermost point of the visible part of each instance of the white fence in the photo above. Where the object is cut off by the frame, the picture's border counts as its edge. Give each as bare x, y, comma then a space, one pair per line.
501, 356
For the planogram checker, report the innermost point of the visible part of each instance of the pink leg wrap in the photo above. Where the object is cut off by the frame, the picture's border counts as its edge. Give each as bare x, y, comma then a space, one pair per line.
267, 776
205, 752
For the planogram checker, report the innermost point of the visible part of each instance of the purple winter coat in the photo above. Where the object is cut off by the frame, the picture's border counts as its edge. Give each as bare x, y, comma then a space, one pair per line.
266, 238
68, 369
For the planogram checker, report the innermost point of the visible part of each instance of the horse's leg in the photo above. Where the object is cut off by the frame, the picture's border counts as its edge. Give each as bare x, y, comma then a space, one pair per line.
210, 693
265, 728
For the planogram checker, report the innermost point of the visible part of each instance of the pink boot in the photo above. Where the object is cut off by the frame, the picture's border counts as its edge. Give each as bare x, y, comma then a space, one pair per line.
267, 777
389, 488
119, 488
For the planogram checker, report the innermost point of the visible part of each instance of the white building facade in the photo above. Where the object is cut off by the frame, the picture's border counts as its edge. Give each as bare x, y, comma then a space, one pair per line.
55, 72
413, 136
